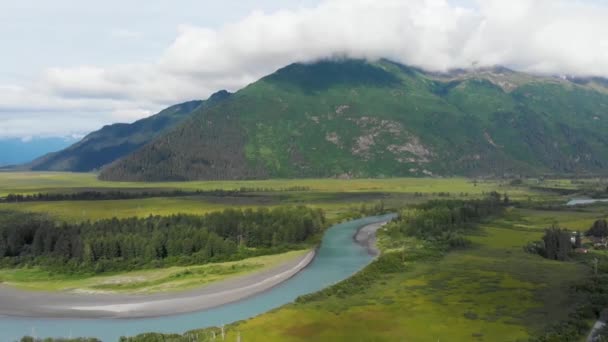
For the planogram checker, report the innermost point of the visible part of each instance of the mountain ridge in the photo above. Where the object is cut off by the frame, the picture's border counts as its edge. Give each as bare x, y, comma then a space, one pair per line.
114, 141
353, 118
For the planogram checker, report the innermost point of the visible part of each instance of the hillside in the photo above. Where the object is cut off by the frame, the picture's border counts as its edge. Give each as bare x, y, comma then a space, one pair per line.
114, 141
352, 118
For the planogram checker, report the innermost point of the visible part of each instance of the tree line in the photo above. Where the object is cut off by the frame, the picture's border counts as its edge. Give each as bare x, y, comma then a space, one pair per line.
118, 244
445, 222
50, 339
119, 195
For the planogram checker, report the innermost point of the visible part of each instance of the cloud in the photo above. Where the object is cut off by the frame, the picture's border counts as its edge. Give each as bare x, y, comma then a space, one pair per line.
541, 36
548, 36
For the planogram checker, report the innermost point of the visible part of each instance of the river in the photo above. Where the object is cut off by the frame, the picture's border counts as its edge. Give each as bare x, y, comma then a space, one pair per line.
338, 257
583, 201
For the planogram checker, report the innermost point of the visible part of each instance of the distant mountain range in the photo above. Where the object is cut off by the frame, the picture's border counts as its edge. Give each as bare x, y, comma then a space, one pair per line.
352, 118
115, 141
17, 151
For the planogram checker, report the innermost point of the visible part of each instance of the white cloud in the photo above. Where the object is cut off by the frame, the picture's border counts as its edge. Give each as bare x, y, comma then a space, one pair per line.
551, 36
544, 36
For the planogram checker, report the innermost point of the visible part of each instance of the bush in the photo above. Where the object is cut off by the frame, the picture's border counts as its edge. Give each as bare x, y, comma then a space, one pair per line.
599, 229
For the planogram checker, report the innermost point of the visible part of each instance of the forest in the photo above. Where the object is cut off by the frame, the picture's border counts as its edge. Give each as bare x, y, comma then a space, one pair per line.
132, 243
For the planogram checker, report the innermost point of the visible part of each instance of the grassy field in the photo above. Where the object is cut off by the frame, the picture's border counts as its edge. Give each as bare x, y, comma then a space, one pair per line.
34, 182
337, 197
94, 210
335, 205
493, 291
176, 278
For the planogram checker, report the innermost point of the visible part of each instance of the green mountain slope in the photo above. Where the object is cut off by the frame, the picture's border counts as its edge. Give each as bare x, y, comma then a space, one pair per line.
115, 141
354, 118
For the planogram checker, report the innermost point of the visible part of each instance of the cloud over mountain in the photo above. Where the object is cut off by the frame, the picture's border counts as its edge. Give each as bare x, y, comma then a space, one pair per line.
541, 36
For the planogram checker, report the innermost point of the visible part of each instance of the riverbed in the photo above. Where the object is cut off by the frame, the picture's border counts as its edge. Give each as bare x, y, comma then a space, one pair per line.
23, 303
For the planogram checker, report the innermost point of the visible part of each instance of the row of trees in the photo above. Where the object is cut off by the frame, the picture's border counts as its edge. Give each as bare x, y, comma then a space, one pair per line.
135, 242
109, 195
49, 339
118, 195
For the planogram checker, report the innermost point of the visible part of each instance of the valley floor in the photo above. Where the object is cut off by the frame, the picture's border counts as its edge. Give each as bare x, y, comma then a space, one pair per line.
491, 291
337, 197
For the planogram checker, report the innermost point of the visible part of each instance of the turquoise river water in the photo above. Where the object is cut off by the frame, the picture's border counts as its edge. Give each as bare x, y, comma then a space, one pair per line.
338, 258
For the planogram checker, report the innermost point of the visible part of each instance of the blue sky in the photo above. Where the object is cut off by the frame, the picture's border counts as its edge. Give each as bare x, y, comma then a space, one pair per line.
63, 33
69, 67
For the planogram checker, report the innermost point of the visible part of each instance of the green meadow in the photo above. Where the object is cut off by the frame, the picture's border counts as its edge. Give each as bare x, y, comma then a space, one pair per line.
492, 291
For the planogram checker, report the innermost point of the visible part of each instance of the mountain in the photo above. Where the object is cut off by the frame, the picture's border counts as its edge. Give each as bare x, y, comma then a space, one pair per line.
598, 83
353, 118
114, 141
17, 151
